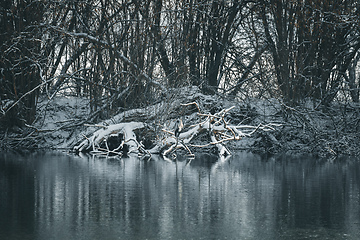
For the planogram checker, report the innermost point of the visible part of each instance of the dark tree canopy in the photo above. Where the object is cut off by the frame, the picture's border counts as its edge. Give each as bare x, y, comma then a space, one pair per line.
20, 47
124, 54
312, 44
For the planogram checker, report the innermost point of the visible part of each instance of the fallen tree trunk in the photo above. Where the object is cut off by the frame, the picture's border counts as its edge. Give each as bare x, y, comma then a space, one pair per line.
118, 139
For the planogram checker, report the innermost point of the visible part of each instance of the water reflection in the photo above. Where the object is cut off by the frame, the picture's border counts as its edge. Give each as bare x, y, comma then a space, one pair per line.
55, 196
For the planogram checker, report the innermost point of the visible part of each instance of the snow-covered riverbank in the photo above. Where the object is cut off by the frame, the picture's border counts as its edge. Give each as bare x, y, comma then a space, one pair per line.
65, 122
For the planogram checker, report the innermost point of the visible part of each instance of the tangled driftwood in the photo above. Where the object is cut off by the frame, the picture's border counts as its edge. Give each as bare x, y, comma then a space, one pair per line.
120, 139
218, 129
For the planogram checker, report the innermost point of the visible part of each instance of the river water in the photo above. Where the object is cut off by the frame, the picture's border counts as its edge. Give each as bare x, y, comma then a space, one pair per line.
59, 196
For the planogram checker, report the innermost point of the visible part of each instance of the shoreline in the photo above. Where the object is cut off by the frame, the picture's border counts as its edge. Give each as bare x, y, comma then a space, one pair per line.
327, 132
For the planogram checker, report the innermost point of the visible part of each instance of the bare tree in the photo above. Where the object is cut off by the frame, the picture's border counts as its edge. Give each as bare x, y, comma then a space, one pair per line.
312, 44
20, 58
124, 54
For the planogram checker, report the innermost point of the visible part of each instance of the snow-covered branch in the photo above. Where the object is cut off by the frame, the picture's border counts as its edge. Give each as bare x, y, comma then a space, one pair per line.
215, 127
206, 130
115, 139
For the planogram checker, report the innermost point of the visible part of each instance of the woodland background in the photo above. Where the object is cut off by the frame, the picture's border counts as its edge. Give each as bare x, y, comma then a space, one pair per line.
124, 54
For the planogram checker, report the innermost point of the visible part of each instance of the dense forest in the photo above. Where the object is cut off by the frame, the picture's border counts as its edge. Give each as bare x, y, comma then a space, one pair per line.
125, 54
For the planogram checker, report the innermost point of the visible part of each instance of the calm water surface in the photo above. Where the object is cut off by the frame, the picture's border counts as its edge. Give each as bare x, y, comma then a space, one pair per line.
57, 196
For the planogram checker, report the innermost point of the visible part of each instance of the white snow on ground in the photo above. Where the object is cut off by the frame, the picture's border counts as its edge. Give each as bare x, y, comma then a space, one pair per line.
64, 122
60, 119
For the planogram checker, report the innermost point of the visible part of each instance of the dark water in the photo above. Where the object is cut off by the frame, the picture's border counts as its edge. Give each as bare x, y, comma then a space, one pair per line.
55, 196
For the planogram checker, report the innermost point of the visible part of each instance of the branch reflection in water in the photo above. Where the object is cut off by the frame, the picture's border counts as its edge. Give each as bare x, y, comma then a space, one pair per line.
241, 197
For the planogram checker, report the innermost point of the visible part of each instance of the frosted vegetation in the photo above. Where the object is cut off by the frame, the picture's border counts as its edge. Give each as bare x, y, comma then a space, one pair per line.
113, 77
